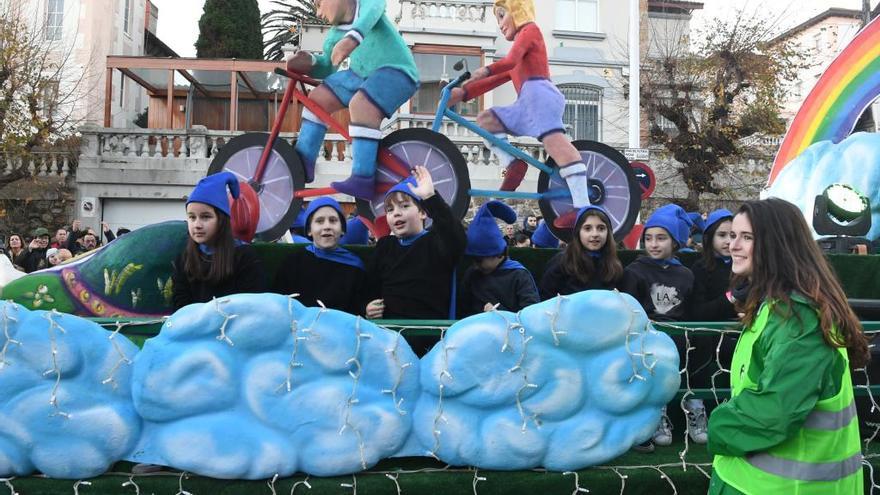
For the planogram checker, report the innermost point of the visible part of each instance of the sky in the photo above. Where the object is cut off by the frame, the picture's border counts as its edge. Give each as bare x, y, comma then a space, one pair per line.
178, 20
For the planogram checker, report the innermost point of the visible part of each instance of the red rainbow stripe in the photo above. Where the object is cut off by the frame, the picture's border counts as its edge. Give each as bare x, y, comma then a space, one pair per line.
840, 96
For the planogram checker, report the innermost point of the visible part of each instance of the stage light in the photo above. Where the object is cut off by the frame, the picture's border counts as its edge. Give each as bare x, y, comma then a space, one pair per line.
844, 213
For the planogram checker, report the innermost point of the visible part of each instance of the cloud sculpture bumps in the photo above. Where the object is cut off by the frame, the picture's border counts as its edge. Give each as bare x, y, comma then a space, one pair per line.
568, 383
854, 161
65, 404
255, 385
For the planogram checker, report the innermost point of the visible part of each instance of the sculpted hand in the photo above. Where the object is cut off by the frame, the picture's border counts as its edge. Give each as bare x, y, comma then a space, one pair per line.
301, 63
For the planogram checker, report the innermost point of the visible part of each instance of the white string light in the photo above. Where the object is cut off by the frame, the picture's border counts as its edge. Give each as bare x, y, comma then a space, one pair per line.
123, 359
688, 392
180, 490
271, 484
226, 319
870, 476
553, 317
131, 482
8, 483
77, 485
527, 385
577, 484
439, 416
477, 479
394, 479
401, 369
622, 477
353, 485
294, 332
352, 398
304, 483
56, 370
8, 340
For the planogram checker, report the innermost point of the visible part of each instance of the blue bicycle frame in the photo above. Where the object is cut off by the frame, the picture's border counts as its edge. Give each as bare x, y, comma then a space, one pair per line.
443, 111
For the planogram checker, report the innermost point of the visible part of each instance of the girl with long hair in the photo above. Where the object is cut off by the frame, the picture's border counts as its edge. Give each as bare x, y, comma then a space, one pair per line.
214, 263
15, 250
711, 301
791, 424
589, 261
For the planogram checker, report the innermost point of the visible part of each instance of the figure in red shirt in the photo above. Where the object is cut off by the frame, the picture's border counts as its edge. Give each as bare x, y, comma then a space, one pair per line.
537, 111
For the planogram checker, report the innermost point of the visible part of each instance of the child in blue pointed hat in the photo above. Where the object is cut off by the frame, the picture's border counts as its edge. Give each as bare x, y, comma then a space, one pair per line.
664, 287
493, 280
323, 272
712, 271
356, 233
589, 261
543, 237
213, 263
411, 276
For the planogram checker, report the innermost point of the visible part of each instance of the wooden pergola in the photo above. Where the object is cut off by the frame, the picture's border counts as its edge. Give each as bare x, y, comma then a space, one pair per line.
237, 69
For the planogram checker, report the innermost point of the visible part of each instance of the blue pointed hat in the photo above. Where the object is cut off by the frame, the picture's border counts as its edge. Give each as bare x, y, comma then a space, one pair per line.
717, 216
543, 238
697, 220
674, 220
484, 238
321, 202
211, 190
403, 187
356, 233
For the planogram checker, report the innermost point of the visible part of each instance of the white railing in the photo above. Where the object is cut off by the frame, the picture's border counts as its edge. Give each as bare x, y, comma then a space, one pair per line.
459, 11
39, 163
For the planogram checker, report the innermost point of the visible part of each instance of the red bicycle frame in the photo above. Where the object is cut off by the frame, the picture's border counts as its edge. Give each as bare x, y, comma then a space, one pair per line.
384, 157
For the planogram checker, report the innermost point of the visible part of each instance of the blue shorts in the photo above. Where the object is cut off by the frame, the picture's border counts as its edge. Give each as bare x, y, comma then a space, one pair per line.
387, 88
537, 111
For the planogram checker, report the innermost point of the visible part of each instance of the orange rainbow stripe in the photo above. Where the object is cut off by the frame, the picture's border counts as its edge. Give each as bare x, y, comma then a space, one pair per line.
834, 105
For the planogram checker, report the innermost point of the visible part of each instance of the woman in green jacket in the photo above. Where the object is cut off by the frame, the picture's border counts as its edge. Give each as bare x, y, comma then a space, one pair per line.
790, 425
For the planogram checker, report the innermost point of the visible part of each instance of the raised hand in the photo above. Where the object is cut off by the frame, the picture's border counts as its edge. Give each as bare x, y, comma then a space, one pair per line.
424, 183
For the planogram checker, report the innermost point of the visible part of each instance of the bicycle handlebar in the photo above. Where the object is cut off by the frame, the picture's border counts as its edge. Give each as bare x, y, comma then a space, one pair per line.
297, 76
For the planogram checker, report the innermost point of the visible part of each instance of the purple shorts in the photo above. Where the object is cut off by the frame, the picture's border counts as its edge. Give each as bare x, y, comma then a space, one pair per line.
536, 112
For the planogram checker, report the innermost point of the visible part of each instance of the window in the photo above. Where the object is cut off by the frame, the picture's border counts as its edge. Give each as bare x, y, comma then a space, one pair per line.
583, 104
434, 69
126, 23
54, 19
577, 15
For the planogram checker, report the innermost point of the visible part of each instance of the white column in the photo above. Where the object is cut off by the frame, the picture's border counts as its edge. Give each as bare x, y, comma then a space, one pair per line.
634, 121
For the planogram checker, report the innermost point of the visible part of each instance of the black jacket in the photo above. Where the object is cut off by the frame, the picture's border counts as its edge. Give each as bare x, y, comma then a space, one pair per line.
512, 289
337, 285
248, 276
710, 302
557, 281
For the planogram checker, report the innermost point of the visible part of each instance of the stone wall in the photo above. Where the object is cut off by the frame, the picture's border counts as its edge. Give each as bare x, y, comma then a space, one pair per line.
46, 198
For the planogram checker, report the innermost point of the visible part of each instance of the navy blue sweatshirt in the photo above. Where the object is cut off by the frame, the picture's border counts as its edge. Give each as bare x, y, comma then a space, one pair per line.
557, 281
663, 290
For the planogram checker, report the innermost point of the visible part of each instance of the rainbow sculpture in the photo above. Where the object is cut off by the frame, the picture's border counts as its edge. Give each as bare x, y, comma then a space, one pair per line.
834, 105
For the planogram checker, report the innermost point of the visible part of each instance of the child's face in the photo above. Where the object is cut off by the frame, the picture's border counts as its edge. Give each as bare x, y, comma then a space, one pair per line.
505, 23
325, 228
658, 243
404, 216
721, 240
489, 264
593, 233
333, 11
201, 222
53, 260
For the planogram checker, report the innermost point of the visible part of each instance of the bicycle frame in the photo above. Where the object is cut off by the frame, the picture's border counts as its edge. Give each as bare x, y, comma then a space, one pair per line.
384, 157
444, 112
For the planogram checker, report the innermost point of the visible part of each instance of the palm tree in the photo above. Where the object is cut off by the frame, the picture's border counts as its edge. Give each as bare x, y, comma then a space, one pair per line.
283, 24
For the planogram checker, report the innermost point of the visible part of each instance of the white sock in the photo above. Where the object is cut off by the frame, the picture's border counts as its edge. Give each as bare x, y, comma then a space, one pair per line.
575, 176
504, 158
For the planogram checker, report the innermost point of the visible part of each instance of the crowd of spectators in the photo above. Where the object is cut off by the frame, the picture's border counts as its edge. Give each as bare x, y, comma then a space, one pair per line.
39, 250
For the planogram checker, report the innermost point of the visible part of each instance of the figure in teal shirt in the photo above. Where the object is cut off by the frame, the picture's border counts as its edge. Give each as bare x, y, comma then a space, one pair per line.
382, 76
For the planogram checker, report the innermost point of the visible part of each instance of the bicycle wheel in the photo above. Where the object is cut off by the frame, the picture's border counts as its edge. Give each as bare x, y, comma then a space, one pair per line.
613, 186
283, 176
419, 146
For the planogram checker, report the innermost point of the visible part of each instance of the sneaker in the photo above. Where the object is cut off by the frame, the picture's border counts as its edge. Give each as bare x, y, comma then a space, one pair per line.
697, 423
645, 447
663, 435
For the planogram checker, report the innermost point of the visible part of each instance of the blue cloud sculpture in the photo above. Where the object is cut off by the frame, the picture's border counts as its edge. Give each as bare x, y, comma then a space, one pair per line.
65, 396
564, 384
854, 161
253, 385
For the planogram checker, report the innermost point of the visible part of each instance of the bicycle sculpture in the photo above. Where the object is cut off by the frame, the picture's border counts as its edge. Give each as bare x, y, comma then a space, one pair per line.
273, 176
